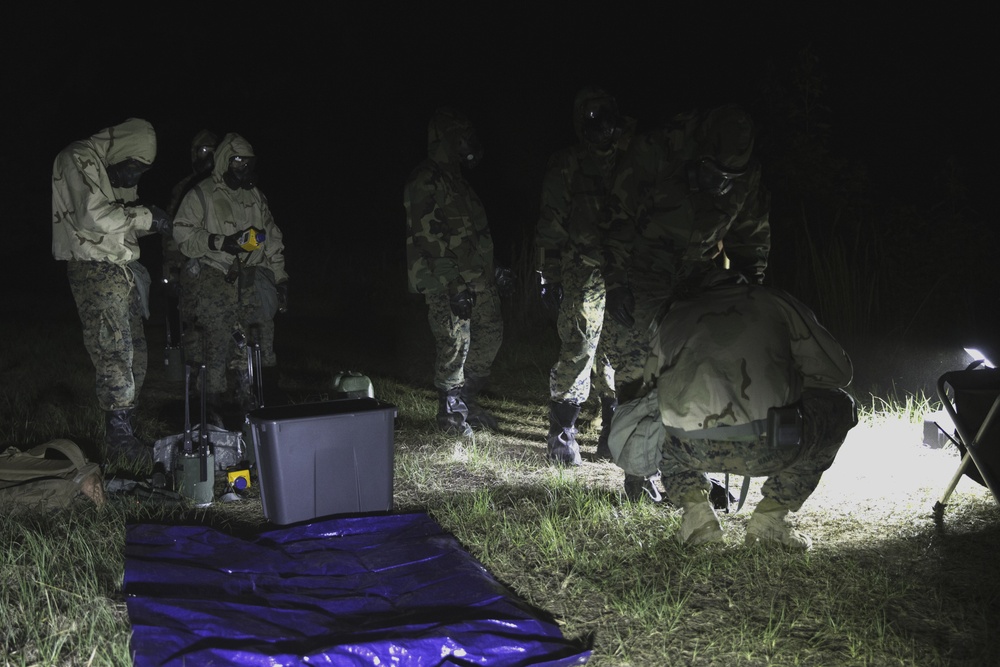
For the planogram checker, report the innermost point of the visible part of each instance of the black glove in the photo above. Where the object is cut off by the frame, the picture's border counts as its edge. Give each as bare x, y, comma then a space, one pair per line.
551, 295
162, 223
461, 304
282, 290
504, 279
620, 304
229, 244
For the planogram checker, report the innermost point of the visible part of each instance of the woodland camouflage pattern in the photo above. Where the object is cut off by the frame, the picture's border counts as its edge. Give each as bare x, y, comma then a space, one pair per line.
661, 233
722, 359
448, 242
660, 229
449, 249
247, 301
464, 348
571, 236
107, 301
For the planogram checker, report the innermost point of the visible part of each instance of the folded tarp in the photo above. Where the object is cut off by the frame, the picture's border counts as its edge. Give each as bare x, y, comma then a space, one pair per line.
380, 590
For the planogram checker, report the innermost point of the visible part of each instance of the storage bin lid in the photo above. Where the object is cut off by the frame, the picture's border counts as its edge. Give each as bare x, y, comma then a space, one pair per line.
322, 409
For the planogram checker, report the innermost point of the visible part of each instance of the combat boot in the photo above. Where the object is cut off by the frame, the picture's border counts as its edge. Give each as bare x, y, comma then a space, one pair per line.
767, 527
700, 524
478, 417
638, 488
119, 437
452, 416
608, 406
561, 439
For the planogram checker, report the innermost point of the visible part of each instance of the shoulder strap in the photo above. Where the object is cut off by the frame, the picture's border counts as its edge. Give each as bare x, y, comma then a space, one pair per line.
16, 465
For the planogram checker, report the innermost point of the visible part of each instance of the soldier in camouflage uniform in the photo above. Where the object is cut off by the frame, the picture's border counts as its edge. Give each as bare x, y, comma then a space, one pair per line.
178, 282
721, 359
570, 239
690, 197
237, 291
449, 251
96, 224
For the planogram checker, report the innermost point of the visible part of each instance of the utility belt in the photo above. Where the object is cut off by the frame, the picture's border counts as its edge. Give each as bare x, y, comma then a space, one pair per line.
785, 426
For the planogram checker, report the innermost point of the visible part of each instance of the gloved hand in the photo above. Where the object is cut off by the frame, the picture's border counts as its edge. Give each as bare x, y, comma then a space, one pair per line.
551, 295
229, 244
282, 297
461, 304
162, 223
620, 304
504, 279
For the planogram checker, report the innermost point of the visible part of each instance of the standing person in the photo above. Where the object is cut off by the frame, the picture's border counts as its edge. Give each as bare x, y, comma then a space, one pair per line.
730, 363
449, 251
239, 285
570, 238
690, 198
177, 281
96, 224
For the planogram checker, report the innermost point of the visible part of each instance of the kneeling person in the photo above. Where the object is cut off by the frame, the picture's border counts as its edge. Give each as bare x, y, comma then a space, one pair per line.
722, 358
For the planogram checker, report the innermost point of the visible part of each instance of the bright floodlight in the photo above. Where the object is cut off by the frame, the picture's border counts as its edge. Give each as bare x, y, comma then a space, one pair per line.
978, 356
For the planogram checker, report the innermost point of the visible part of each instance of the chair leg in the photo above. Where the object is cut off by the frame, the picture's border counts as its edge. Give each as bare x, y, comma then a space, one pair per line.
966, 460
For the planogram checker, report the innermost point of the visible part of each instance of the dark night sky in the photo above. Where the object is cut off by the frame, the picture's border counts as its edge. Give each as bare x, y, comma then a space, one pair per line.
336, 100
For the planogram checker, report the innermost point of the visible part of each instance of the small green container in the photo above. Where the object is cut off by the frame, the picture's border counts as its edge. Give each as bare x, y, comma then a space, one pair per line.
194, 477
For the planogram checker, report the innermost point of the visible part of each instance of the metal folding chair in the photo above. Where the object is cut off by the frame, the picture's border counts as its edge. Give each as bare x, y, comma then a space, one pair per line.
971, 397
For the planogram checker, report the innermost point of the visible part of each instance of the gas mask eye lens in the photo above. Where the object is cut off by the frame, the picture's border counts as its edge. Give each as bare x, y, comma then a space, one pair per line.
241, 172
126, 174
600, 124
470, 150
240, 163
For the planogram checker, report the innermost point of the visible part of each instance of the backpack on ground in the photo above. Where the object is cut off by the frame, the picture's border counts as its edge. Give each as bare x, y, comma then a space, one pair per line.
52, 475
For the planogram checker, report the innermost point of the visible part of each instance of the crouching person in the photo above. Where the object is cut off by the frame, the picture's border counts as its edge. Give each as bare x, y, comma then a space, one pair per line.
723, 360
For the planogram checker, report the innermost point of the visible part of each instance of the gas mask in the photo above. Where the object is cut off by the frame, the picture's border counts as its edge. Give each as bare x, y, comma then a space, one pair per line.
470, 151
600, 124
708, 176
202, 159
126, 174
242, 173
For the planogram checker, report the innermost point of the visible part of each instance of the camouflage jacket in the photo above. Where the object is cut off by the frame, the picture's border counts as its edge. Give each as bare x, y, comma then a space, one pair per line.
661, 231
724, 357
448, 242
91, 221
212, 207
573, 223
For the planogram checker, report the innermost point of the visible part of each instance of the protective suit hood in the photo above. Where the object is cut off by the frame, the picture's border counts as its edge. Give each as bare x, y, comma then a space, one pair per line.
727, 136
446, 129
231, 145
135, 138
204, 138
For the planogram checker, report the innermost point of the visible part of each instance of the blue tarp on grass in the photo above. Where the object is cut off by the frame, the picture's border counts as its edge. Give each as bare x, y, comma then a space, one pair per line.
376, 590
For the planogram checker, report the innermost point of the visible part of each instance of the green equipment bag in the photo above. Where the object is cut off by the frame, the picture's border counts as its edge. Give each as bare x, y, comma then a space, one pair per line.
50, 476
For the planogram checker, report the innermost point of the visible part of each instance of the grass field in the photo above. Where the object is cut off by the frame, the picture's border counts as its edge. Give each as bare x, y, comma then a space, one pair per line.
885, 584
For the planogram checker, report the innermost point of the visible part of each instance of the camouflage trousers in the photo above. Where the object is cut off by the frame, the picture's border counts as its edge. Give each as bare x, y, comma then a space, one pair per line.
588, 342
107, 301
635, 342
464, 348
187, 278
792, 473
228, 317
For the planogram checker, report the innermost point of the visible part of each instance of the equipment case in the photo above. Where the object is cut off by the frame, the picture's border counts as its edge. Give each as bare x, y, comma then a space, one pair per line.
321, 459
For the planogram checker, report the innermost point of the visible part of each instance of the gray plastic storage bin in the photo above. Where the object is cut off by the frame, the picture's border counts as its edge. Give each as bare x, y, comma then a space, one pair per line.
319, 459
